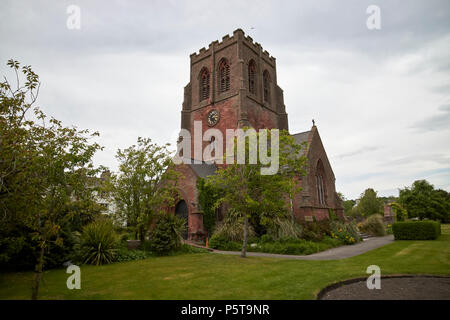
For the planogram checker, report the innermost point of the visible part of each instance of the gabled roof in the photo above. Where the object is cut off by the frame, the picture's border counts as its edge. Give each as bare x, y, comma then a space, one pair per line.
308, 137
301, 137
203, 169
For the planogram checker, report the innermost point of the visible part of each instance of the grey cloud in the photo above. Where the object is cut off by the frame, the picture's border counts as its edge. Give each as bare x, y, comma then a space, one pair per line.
357, 152
123, 73
171, 25
438, 158
436, 122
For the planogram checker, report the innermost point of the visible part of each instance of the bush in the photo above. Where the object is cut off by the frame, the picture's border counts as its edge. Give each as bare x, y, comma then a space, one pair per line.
98, 242
185, 248
416, 230
232, 229
123, 255
373, 225
220, 242
167, 235
285, 227
389, 229
295, 246
266, 238
346, 232
317, 230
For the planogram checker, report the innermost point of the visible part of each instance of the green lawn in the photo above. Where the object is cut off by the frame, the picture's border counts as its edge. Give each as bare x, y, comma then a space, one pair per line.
215, 276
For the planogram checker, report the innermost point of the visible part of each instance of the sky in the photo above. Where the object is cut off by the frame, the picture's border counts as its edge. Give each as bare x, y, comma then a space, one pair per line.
380, 97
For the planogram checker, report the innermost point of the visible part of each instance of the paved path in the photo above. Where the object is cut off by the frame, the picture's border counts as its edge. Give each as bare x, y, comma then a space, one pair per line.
331, 254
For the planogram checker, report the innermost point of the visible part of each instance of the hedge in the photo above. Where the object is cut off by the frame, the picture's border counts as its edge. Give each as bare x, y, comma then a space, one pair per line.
416, 230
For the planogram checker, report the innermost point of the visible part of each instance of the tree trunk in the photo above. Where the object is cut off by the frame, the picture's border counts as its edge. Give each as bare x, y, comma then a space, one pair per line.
244, 245
38, 274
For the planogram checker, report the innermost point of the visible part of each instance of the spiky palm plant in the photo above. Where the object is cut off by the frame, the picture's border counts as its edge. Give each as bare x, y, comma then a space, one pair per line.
99, 242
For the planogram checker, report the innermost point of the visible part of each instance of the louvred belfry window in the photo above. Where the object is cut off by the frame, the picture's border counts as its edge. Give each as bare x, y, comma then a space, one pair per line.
224, 76
266, 79
204, 84
252, 77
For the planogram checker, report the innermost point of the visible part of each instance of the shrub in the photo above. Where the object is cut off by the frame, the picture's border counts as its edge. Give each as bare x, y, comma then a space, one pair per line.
373, 225
123, 255
98, 242
416, 230
317, 230
167, 235
220, 242
329, 242
285, 227
266, 238
295, 246
389, 229
185, 248
346, 232
332, 215
232, 229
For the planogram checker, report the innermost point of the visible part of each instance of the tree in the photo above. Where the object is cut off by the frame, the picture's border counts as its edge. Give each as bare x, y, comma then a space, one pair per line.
369, 203
145, 184
249, 194
423, 201
348, 206
347, 203
45, 170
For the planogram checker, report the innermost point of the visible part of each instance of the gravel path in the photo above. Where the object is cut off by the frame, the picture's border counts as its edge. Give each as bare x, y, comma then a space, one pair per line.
331, 254
395, 288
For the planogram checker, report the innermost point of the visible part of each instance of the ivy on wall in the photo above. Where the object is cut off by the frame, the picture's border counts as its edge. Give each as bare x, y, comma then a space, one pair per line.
207, 197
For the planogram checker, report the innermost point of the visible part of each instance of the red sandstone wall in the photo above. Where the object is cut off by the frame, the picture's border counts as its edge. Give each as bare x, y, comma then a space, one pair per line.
188, 192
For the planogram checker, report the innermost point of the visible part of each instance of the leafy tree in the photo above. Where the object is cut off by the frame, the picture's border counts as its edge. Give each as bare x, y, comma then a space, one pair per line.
348, 206
145, 184
248, 193
423, 201
347, 203
369, 203
389, 199
46, 171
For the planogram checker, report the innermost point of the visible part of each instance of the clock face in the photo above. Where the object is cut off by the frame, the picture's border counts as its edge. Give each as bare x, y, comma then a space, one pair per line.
213, 117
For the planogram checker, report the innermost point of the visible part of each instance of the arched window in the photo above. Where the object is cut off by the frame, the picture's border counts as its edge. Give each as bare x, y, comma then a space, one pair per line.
320, 173
252, 77
266, 79
224, 76
204, 84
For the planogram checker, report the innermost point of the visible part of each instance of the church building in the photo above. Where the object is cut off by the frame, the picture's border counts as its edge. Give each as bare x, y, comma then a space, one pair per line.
233, 84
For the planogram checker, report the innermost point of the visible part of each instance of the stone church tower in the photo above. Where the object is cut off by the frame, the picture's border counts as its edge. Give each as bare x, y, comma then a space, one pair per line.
233, 84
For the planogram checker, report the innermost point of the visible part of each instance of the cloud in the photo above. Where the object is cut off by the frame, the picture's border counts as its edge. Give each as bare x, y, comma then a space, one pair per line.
356, 152
438, 122
374, 94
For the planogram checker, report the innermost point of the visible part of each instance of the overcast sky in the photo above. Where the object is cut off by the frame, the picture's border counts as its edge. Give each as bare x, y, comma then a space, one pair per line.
380, 98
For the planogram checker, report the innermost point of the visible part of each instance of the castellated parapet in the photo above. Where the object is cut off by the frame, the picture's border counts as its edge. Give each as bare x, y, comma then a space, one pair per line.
238, 35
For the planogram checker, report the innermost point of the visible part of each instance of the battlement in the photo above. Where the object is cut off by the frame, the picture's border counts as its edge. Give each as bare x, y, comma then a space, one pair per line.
228, 40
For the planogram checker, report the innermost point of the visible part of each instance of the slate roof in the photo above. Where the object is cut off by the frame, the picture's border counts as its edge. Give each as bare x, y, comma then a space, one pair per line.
301, 137
203, 169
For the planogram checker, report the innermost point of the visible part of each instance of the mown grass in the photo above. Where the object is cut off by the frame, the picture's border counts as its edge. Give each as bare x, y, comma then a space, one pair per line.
215, 276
